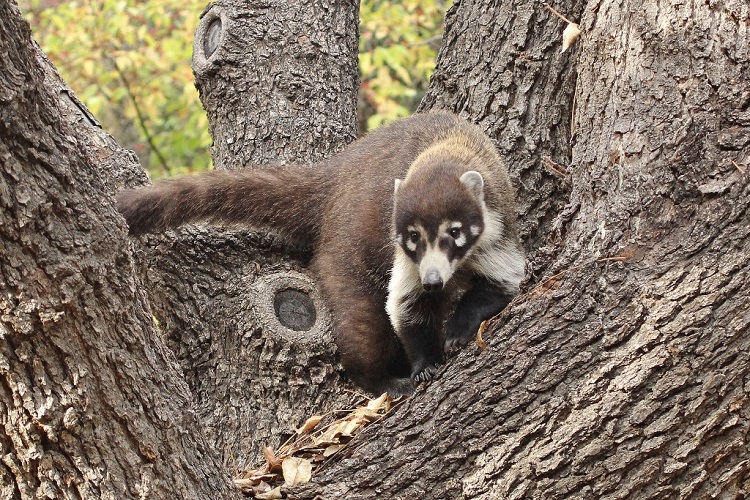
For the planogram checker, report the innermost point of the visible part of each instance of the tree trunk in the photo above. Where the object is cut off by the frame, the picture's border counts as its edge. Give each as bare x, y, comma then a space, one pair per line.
620, 372
624, 373
279, 83
278, 80
92, 403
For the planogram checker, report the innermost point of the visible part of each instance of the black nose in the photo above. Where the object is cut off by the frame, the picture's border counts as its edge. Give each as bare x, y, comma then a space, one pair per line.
432, 282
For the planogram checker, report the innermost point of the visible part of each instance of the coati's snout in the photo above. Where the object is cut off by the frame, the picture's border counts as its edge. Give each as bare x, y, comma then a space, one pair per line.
432, 282
435, 266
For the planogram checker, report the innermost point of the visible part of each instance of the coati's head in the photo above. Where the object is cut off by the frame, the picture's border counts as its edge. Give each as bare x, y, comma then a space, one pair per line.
438, 216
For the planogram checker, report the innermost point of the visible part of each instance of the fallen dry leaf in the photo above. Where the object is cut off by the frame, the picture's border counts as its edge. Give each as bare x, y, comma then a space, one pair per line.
245, 484
311, 447
273, 462
330, 436
480, 332
259, 489
296, 470
378, 403
274, 494
367, 414
310, 424
570, 34
332, 449
350, 428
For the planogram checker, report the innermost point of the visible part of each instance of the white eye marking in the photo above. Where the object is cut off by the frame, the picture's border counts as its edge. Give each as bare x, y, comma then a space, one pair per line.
411, 245
399, 239
461, 240
475, 230
456, 225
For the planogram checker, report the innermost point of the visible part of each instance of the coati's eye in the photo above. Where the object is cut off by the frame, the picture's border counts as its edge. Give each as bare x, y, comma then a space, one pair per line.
414, 236
455, 232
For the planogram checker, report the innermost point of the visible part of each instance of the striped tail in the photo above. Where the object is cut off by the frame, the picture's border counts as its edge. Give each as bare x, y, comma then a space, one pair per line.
288, 200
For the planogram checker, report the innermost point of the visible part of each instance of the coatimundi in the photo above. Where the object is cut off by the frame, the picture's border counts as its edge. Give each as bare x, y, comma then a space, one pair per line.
389, 259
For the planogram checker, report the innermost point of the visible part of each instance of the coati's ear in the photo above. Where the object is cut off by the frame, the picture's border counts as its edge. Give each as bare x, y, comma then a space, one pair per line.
474, 183
395, 186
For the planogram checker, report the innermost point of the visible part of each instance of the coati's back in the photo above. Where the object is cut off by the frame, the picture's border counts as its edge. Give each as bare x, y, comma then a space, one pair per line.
353, 189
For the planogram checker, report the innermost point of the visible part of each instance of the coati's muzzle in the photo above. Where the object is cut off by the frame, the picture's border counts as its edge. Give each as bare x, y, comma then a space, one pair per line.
432, 281
435, 269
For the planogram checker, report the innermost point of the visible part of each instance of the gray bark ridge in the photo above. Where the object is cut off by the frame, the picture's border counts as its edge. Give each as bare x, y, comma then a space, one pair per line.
92, 403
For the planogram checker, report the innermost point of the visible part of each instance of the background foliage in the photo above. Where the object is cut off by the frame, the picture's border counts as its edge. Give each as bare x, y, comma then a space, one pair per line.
129, 62
397, 48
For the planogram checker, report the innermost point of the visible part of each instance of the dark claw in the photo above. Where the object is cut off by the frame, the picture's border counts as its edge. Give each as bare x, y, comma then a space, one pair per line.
427, 373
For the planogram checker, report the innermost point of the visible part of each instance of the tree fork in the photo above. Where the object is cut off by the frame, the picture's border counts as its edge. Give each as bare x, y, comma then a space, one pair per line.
279, 83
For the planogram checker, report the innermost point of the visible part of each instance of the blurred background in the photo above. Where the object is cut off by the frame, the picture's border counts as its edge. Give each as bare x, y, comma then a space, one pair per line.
130, 64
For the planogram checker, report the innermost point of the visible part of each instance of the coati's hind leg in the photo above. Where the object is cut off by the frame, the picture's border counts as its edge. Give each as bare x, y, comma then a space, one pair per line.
370, 352
483, 301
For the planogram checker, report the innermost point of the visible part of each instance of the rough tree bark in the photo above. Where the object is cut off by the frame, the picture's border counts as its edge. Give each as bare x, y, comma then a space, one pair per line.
624, 373
92, 403
279, 82
621, 371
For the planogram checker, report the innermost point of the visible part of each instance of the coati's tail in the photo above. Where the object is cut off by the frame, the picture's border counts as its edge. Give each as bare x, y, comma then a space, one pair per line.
285, 199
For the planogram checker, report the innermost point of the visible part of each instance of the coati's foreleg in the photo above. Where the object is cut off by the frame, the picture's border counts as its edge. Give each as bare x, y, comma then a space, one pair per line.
420, 334
483, 301
416, 316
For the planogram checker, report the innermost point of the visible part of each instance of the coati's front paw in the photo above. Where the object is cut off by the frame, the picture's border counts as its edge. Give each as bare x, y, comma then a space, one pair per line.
459, 331
424, 373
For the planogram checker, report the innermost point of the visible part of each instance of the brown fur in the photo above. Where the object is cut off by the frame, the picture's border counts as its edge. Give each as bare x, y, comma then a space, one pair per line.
343, 207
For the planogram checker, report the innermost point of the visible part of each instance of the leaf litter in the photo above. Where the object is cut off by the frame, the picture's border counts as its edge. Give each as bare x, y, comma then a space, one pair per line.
313, 446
